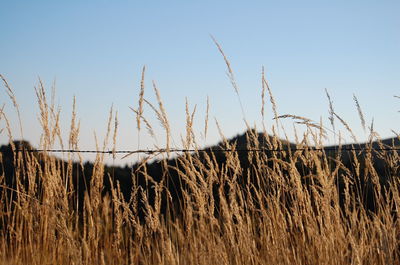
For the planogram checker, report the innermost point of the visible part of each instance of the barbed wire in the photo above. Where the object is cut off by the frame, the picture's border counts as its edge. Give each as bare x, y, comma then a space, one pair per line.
209, 150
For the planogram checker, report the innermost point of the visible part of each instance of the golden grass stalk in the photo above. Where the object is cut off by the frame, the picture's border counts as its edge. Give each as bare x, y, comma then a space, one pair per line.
13, 98
353, 136
139, 112
190, 138
8, 127
262, 93
231, 75
331, 110
271, 98
360, 113
115, 134
206, 119
162, 115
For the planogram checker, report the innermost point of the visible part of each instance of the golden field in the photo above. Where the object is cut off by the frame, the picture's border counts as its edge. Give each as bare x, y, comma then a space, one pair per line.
299, 205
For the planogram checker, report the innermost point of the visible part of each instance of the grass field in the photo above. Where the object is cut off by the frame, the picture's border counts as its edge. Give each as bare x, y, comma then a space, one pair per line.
279, 215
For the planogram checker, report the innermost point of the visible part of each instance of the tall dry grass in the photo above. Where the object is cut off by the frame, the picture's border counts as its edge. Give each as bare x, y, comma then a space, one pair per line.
271, 218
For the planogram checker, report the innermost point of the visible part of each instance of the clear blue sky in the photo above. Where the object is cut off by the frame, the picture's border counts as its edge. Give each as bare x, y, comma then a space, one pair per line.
95, 50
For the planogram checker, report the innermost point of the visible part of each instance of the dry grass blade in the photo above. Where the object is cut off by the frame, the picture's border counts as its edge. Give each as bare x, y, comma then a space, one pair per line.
228, 64
13, 98
1, 114
353, 136
206, 119
220, 131
272, 100
308, 122
314, 125
55, 113
331, 110
158, 114
115, 134
146, 122
189, 125
44, 117
164, 116
395, 133
230, 75
8, 127
9, 91
74, 131
74, 128
262, 93
109, 124
285, 116
360, 113
372, 133
139, 112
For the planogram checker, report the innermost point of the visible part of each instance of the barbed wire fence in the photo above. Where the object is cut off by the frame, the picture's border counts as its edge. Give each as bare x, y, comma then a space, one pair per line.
164, 150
